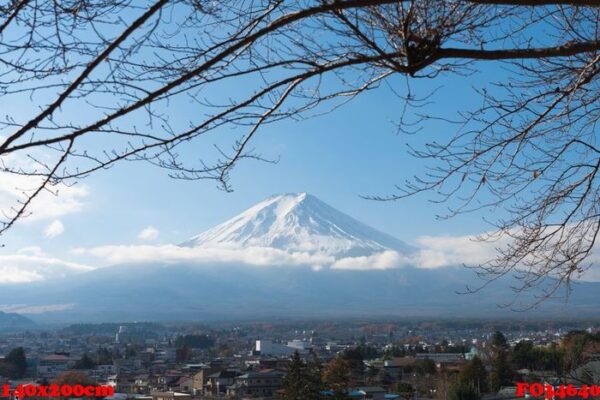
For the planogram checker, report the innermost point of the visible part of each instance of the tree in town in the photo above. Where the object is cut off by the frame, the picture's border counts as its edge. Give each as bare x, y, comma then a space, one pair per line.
579, 348
302, 381
463, 391
474, 374
103, 356
405, 390
182, 354
502, 373
314, 372
425, 367
14, 364
195, 341
73, 378
85, 362
356, 356
337, 377
104, 79
538, 358
524, 355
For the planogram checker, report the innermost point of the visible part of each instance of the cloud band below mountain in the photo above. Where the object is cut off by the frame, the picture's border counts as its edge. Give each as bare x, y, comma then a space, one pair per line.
433, 254
31, 264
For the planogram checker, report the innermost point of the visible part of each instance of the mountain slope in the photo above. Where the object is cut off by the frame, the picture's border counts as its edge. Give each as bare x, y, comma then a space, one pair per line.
231, 292
11, 321
300, 223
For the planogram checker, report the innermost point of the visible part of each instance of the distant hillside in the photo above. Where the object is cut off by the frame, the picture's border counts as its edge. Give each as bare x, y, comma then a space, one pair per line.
229, 292
12, 321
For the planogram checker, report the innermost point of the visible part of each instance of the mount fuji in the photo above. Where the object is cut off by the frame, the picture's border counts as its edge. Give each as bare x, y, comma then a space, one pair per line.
300, 223
355, 283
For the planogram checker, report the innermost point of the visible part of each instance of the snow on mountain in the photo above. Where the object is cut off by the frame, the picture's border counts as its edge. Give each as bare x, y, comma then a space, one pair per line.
300, 223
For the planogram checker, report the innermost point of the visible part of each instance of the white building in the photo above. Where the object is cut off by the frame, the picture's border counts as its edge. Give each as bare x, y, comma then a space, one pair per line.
268, 348
300, 345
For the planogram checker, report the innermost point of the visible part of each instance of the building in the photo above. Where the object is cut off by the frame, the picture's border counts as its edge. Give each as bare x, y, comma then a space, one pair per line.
219, 381
441, 357
264, 384
268, 348
51, 365
103, 371
301, 345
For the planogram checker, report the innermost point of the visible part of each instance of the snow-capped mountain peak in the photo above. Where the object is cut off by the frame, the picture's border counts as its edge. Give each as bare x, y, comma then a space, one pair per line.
299, 222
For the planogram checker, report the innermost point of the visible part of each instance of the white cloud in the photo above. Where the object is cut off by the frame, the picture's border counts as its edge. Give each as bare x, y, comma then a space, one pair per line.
32, 251
383, 260
18, 274
63, 199
34, 309
31, 264
433, 252
54, 229
59, 200
260, 256
444, 251
251, 255
148, 233
448, 251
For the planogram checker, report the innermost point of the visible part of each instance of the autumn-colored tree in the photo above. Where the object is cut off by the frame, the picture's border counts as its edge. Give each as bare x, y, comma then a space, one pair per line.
579, 348
73, 378
337, 377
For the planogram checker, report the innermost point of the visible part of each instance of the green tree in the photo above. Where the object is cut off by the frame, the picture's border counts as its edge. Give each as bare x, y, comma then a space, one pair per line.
85, 362
524, 355
303, 380
499, 340
15, 364
462, 391
314, 371
103, 356
405, 390
475, 375
195, 341
355, 356
425, 367
502, 372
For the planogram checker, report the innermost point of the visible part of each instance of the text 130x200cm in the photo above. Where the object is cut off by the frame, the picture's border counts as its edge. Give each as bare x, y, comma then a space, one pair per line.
54, 390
